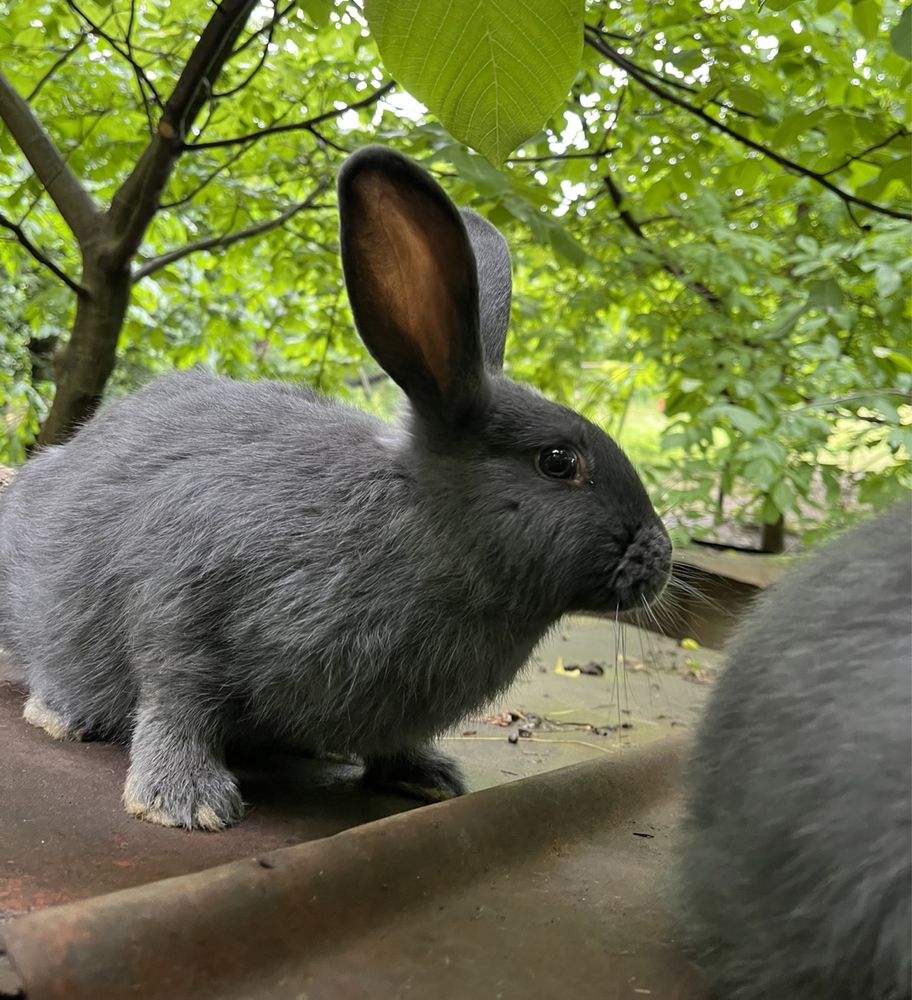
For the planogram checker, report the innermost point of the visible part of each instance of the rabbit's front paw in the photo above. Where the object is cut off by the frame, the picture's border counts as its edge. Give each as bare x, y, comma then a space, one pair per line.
207, 800
426, 775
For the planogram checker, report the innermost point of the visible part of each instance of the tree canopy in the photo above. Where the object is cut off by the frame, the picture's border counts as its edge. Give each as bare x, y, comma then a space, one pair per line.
714, 219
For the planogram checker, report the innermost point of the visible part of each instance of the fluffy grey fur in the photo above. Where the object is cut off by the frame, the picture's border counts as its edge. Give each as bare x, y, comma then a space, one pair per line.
796, 879
209, 561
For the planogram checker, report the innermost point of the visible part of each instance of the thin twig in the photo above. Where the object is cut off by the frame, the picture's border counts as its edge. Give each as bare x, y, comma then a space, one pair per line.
822, 404
128, 41
627, 217
273, 21
307, 125
60, 61
678, 85
900, 133
591, 154
636, 73
97, 29
325, 141
235, 156
228, 239
39, 255
266, 27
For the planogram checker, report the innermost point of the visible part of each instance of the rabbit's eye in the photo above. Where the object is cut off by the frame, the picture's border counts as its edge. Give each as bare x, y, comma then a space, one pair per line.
557, 463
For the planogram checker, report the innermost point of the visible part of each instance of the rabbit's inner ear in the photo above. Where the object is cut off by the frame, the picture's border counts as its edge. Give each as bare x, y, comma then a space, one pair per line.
412, 283
404, 260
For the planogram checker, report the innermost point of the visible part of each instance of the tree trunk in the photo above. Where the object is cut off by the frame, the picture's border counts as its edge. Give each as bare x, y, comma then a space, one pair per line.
772, 536
87, 361
109, 240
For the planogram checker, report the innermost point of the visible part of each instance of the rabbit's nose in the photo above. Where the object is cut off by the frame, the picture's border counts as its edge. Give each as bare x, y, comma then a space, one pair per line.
645, 567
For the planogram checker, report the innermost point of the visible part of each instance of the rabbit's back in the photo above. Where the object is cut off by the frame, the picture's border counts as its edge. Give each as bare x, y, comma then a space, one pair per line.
84, 563
796, 873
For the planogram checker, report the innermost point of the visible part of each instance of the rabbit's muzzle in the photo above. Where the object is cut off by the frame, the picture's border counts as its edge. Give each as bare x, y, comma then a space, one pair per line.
644, 569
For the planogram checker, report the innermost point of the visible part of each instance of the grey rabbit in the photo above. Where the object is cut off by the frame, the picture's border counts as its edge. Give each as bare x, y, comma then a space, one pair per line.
795, 880
210, 562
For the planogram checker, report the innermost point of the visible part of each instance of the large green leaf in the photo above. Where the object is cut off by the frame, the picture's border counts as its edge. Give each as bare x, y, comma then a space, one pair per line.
493, 71
901, 35
866, 15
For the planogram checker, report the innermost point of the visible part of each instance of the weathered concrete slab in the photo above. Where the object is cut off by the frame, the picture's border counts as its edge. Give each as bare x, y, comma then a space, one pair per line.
552, 884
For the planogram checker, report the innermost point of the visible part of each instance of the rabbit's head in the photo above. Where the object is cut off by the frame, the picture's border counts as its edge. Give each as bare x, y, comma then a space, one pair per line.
563, 511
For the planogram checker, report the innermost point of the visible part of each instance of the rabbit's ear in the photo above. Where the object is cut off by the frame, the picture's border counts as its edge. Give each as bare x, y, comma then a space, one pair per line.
412, 282
495, 286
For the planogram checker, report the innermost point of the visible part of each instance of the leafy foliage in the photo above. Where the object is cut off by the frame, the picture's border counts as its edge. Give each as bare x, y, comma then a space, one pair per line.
714, 222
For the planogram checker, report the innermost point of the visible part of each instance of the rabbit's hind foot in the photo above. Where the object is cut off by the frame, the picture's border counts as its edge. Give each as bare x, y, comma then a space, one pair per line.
37, 713
426, 775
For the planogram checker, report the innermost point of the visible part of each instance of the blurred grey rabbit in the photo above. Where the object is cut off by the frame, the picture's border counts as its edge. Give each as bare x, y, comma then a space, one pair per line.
210, 561
796, 876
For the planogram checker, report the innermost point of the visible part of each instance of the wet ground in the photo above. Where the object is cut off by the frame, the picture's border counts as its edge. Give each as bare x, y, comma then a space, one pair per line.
591, 690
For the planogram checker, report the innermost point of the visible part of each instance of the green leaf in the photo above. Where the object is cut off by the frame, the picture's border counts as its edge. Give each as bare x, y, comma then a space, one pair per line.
31, 36
492, 72
687, 60
825, 294
866, 15
888, 280
901, 35
900, 361
747, 98
741, 419
317, 10
484, 178
783, 497
761, 472
565, 246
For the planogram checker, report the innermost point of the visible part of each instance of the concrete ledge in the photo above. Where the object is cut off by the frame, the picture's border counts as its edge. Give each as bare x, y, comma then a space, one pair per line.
561, 873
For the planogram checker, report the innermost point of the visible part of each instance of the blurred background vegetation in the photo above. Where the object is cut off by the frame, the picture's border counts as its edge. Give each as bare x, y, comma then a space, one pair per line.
711, 234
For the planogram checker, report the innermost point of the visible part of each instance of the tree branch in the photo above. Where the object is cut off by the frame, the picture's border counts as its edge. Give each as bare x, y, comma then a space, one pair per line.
900, 133
128, 41
142, 79
206, 181
308, 125
637, 74
41, 257
71, 149
52, 69
591, 154
72, 200
324, 140
279, 16
137, 199
822, 403
678, 85
273, 21
629, 220
213, 242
